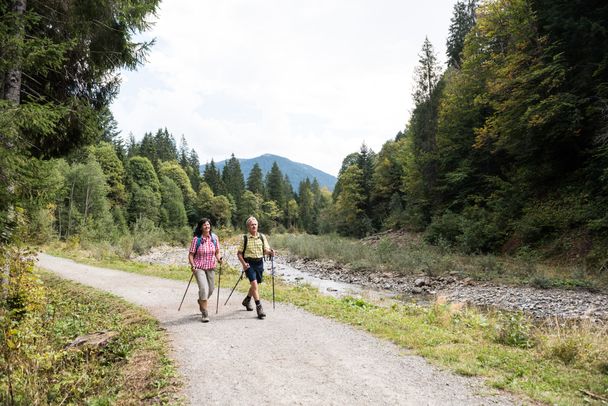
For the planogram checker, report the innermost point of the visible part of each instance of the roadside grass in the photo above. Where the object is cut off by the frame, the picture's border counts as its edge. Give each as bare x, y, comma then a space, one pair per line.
556, 362
413, 256
133, 368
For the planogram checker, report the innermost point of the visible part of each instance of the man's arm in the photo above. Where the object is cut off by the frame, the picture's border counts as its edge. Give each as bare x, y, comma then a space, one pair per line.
267, 250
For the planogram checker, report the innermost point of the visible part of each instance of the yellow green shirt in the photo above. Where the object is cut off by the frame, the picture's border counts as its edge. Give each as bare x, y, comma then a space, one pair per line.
255, 246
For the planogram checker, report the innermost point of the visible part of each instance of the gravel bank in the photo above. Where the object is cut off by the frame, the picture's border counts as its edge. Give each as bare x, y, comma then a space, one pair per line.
540, 303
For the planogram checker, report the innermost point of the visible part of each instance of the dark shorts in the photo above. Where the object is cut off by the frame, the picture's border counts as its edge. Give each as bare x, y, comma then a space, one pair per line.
255, 270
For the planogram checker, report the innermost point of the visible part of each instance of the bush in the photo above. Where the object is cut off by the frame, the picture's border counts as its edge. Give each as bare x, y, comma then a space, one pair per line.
480, 231
445, 228
474, 230
542, 220
515, 330
146, 235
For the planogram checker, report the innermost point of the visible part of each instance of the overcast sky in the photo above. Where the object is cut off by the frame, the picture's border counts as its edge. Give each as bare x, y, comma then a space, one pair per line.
307, 80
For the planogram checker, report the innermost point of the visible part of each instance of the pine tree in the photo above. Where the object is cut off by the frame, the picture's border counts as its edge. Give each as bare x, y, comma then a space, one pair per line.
426, 74
255, 180
275, 185
462, 21
213, 178
232, 176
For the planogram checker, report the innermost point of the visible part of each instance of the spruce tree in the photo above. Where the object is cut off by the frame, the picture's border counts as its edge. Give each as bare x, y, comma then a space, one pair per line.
255, 180
232, 176
275, 185
463, 19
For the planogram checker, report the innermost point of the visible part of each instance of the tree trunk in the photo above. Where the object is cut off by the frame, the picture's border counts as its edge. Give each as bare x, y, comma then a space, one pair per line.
86, 203
70, 211
12, 80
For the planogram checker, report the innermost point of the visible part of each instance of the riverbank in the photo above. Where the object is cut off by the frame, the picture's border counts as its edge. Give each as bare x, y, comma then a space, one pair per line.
540, 303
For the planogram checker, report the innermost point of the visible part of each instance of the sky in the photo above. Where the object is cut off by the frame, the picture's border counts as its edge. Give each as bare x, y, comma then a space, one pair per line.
308, 80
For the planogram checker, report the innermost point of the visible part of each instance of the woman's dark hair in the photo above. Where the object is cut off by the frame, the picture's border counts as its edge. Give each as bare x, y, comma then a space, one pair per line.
198, 230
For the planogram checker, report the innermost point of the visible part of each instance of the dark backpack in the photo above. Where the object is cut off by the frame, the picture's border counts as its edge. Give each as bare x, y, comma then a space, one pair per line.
245, 243
200, 239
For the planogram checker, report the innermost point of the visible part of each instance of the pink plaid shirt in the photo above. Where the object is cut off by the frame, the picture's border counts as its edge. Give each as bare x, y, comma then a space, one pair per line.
205, 256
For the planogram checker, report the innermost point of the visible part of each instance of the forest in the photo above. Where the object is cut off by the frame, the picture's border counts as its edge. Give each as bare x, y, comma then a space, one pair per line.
506, 150
505, 153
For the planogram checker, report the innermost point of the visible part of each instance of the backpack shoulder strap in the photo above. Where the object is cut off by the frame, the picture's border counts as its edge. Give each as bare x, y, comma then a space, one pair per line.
263, 238
214, 239
198, 244
244, 244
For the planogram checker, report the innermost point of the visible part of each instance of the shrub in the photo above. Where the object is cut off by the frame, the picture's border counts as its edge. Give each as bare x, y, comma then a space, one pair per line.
445, 228
146, 235
515, 330
566, 349
480, 231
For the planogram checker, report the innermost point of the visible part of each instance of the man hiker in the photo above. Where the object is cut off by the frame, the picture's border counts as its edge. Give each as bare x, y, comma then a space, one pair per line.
254, 246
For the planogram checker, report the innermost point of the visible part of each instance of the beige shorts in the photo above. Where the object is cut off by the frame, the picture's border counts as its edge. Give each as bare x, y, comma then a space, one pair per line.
205, 279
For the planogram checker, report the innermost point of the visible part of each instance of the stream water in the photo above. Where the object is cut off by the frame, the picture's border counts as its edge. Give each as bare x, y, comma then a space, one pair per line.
294, 276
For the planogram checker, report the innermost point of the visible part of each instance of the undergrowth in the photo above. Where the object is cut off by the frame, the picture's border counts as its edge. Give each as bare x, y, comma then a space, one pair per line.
38, 367
417, 257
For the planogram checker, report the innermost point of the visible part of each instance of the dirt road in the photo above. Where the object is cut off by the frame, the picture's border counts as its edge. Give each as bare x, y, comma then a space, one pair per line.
290, 358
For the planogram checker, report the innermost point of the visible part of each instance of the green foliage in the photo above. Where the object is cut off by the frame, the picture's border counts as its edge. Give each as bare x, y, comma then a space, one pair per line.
350, 204
514, 329
275, 187
175, 172
463, 19
255, 180
114, 171
233, 180
213, 178
38, 368
146, 235
221, 210
172, 211
145, 197
472, 231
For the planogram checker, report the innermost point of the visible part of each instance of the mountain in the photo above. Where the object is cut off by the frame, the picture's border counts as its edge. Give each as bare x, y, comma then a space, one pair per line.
296, 171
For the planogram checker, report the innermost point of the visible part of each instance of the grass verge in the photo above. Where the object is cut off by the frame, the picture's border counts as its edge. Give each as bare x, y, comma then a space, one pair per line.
131, 369
556, 363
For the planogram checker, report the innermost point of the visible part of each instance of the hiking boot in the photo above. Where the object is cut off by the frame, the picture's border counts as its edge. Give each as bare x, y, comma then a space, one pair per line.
247, 304
205, 316
261, 314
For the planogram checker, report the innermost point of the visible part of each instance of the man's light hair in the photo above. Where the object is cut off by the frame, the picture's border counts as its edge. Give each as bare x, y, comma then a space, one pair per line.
250, 219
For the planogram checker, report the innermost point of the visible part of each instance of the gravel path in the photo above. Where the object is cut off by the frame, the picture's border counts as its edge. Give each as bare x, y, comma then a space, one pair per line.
291, 357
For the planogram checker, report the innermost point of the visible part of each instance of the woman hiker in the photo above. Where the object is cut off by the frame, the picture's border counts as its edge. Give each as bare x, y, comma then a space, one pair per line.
254, 246
203, 256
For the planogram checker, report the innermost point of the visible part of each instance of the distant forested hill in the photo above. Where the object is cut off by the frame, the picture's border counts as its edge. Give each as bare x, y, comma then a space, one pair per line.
296, 171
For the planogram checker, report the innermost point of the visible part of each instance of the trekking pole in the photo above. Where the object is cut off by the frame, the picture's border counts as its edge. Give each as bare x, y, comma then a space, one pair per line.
272, 262
180, 305
219, 283
237, 282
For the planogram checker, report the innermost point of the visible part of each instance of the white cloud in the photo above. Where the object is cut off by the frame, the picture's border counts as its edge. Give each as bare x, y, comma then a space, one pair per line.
309, 81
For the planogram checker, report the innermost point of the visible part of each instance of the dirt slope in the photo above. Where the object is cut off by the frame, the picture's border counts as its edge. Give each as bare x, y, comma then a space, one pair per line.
292, 357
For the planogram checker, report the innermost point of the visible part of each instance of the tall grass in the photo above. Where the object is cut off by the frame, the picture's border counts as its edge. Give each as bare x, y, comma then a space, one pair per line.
38, 368
413, 256
556, 363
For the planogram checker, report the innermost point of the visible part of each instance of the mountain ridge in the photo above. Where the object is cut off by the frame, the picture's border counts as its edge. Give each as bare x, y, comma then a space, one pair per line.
296, 171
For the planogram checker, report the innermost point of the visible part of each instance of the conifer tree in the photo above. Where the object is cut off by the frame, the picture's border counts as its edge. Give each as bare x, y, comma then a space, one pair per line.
463, 19
275, 185
213, 178
232, 176
255, 180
